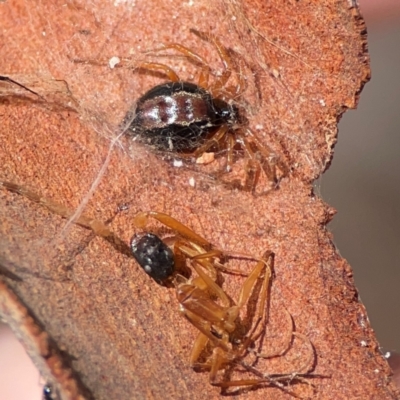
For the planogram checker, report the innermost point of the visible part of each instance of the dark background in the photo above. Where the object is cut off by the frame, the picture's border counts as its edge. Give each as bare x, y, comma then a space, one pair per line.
363, 184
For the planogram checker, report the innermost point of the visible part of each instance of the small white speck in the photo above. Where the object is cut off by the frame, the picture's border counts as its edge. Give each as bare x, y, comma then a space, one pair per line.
147, 268
113, 61
192, 182
363, 343
44, 33
387, 354
322, 102
376, 371
150, 250
190, 3
127, 3
178, 163
275, 73
133, 322
259, 127
166, 253
233, 18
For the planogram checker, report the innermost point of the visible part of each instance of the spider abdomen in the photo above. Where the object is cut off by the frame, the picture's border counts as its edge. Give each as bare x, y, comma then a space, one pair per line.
177, 117
154, 256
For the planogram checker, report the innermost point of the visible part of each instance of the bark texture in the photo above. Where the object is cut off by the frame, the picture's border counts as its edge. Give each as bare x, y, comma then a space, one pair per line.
92, 321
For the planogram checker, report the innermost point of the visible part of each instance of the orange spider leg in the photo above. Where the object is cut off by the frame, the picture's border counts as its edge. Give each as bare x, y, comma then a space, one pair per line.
206, 328
266, 264
169, 72
219, 355
261, 316
229, 157
203, 281
191, 55
184, 250
252, 166
299, 374
96, 226
198, 347
225, 58
308, 365
172, 75
241, 85
212, 287
196, 248
199, 255
141, 220
267, 152
286, 342
215, 322
210, 317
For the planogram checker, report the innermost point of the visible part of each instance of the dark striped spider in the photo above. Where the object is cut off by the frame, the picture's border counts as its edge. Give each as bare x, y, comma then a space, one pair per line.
191, 264
190, 120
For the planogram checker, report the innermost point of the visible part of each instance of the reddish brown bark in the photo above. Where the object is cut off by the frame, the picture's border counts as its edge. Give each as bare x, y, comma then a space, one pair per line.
118, 330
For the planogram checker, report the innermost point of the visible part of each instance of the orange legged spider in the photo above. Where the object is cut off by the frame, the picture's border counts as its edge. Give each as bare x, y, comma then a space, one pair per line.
186, 120
207, 307
202, 301
164, 259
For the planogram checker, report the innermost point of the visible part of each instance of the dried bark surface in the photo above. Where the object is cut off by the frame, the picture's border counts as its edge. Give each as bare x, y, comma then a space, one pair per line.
120, 332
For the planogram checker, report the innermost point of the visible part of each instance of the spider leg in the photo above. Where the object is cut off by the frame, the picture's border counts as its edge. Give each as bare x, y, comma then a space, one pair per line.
171, 74
127, 63
212, 141
252, 168
98, 227
253, 171
212, 287
266, 266
235, 91
218, 358
198, 347
231, 313
202, 324
267, 152
198, 254
184, 249
225, 57
141, 220
229, 157
191, 55
286, 342
213, 363
276, 380
308, 365
260, 158
265, 263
